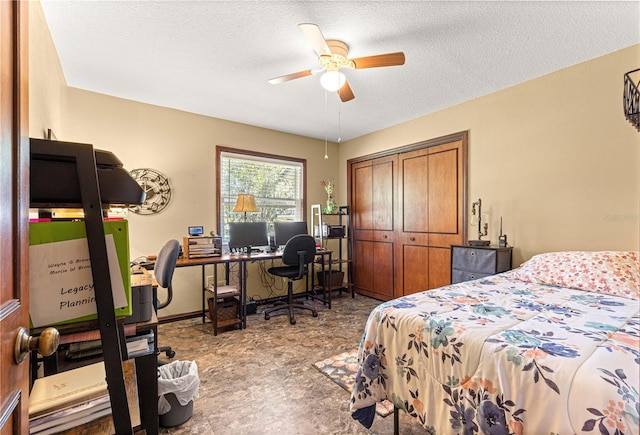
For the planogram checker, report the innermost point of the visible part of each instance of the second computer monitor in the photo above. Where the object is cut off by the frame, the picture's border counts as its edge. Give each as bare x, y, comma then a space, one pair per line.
247, 234
285, 230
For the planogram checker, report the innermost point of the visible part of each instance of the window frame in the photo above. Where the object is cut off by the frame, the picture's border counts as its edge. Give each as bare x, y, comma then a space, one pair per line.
251, 154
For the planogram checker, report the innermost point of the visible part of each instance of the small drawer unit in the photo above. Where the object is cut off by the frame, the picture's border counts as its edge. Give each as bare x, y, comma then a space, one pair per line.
472, 262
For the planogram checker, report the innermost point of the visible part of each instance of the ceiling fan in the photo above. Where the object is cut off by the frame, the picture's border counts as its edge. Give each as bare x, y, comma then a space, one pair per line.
334, 55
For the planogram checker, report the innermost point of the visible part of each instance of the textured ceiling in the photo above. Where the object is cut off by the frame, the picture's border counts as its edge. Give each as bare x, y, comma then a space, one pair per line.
214, 58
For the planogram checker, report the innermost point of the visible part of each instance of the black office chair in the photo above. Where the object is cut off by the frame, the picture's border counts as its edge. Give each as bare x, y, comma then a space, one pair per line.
163, 272
299, 251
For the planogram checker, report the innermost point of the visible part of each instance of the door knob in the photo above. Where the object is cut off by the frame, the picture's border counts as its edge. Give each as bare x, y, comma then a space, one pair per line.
46, 343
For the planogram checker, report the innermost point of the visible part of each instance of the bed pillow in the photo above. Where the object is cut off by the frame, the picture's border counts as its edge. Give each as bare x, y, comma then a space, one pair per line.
611, 272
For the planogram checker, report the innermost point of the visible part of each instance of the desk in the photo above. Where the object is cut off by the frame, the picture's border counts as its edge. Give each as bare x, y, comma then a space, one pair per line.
242, 260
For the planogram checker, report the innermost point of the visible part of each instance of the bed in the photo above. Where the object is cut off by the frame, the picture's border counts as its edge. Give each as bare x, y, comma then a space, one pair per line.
550, 347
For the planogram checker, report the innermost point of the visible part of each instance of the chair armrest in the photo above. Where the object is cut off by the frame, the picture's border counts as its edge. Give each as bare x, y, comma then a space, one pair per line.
302, 266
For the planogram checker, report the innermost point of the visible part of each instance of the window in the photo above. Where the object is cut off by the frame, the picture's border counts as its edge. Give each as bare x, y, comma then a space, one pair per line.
277, 183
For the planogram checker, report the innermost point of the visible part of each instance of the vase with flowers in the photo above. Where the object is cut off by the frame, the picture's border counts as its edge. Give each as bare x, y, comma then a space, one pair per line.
331, 207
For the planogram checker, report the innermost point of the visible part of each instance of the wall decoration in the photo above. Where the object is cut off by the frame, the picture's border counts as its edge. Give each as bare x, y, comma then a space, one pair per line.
156, 188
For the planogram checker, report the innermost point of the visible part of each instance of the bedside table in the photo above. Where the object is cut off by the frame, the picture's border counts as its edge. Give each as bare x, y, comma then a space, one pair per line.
472, 262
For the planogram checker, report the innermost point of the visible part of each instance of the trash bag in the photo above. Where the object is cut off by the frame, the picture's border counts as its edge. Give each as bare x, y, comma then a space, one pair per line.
180, 378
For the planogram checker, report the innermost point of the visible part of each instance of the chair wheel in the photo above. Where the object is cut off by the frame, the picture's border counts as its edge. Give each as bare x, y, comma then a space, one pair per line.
292, 321
315, 314
266, 316
170, 353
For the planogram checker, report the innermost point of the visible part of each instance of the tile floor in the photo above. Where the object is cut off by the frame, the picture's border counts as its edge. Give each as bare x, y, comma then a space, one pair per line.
260, 380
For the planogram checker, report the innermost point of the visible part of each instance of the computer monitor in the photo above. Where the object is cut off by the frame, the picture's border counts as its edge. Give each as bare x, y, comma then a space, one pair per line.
247, 234
285, 230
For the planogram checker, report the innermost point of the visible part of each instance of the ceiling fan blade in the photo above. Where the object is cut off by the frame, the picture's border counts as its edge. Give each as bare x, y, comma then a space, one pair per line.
287, 77
389, 59
314, 35
345, 93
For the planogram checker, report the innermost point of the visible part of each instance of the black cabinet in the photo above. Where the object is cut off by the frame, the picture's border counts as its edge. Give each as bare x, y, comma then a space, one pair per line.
472, 262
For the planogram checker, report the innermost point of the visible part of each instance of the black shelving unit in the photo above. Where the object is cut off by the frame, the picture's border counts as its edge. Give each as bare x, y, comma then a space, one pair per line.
80, 187
343, 233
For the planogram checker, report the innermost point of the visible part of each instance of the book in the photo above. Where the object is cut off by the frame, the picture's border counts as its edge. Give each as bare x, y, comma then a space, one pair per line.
74, 423
66, 389
73, 416
224, 291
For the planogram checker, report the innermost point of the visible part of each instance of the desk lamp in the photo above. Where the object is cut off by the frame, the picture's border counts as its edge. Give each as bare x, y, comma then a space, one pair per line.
245, 203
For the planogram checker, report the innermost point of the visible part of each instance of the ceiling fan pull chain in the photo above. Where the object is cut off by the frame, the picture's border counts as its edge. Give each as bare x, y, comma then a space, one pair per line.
339, 131
326, 121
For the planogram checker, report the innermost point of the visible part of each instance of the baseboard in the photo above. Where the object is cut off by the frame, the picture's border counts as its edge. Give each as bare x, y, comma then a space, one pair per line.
252, 308
177, 317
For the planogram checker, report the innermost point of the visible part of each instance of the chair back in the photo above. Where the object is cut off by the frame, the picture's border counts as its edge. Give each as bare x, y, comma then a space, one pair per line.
164, 267
300, 242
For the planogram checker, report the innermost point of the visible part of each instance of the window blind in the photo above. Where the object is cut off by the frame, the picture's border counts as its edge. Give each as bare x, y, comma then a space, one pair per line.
277, 185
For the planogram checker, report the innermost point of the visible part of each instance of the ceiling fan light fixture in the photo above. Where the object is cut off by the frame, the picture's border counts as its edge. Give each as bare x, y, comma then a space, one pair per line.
332, 80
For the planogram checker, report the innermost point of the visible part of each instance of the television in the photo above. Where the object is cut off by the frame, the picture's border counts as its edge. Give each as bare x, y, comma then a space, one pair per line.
247, 234
285, 230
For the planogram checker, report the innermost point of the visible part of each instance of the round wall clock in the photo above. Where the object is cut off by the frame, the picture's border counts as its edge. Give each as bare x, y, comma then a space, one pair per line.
156, 188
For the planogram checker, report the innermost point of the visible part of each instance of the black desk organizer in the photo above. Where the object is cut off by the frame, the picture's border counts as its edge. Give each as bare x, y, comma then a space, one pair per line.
78, 173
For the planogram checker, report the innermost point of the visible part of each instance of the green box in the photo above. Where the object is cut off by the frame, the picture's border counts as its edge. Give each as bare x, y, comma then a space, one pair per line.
61, 231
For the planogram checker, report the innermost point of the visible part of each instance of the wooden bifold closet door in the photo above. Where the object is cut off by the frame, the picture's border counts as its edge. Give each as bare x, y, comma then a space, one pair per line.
372, 211
408, 208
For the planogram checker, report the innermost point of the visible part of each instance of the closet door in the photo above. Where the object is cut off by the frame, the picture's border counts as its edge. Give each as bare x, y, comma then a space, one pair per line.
407, 208
431, 214
373, 203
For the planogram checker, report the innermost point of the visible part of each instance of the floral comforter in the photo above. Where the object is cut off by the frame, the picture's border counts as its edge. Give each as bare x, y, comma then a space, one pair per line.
499, 356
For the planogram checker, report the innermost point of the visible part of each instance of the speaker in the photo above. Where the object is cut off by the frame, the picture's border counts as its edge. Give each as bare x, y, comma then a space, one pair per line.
336, 231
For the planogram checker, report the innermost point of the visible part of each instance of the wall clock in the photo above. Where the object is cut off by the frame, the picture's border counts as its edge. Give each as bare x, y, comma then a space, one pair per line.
156, 188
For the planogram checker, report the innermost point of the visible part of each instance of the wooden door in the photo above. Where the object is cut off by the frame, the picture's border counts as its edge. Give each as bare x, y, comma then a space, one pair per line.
14, 261
407, 209
373, 193
431, 212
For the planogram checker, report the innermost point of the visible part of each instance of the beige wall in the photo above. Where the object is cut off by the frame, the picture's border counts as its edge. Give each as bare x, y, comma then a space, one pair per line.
183, 147
46, 79
554, 156
179, 144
